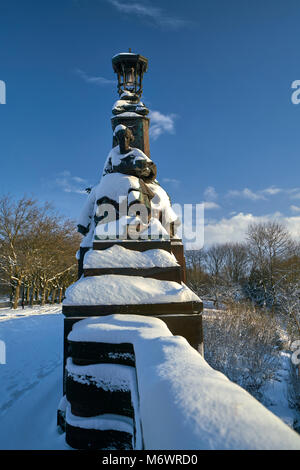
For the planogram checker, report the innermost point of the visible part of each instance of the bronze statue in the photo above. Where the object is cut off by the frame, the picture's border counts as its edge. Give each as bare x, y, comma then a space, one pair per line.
128, 170
134, 162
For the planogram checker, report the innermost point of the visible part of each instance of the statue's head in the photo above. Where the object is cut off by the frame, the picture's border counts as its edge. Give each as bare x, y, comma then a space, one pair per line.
124, 138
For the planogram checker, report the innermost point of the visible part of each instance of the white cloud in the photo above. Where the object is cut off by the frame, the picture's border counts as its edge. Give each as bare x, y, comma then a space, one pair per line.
149, 12
231, 229
272, 190
294, 194
211, 205
247, 194
95, 80
234, 229
71, 184
78, 179
210, 194
161, 123
293, 225
295, 208
171, 181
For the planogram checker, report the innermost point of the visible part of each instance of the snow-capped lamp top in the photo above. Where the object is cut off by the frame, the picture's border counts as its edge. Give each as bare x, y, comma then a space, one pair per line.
130, 69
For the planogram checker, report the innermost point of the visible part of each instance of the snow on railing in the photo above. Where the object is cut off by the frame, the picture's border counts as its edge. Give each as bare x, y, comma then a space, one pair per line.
183, 403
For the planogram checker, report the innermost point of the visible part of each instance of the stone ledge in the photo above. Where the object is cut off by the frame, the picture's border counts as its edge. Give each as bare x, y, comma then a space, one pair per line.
154, 310
170, 273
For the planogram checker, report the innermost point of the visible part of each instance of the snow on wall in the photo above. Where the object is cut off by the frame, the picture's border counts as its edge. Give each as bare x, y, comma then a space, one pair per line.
184, 403
118, 329
113, 289
120, 257
106, 422
108, 377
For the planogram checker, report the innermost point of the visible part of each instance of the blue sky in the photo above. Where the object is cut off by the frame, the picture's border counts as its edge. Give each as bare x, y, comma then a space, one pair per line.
224, 128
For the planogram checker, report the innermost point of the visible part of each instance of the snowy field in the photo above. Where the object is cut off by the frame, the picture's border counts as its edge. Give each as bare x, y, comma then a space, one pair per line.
31, 380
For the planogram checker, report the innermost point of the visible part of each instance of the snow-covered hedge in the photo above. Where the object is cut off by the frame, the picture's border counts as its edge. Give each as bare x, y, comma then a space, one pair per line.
184, 403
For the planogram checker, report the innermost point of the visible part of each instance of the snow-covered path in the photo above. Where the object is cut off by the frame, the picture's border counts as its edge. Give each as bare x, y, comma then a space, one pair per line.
31, 379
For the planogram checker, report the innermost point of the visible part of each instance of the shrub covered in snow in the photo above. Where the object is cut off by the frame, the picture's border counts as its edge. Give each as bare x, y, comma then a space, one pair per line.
243, 343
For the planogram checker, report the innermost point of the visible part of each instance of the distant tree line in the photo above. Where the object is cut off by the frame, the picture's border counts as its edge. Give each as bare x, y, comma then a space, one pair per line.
37, 252
263, 270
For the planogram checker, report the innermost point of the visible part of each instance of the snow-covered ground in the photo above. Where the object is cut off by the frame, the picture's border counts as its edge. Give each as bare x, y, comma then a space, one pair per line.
31, 379
276, 396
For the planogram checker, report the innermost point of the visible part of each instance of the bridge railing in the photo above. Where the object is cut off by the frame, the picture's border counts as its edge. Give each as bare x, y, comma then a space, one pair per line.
132, 384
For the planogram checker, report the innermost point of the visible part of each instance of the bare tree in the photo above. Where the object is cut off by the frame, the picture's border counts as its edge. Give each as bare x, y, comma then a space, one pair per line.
37, 248
236, 263
16, 219
269, 243
218, 272
215, 257
195, 259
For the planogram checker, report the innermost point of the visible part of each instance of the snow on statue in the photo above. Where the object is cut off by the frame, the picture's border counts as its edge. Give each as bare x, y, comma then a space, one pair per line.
129, 193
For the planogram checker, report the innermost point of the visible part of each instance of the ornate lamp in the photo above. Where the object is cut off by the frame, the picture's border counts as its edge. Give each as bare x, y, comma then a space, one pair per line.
130, 69
129, 110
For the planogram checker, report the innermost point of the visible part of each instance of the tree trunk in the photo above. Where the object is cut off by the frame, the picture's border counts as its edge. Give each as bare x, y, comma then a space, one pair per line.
16, 295
31, 298
12, 294
47, 295
43, 296
60, 295
28, 295
23, 296
53, 297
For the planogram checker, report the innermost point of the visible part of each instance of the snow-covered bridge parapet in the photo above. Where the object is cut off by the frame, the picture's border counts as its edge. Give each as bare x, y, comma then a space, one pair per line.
177, 400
